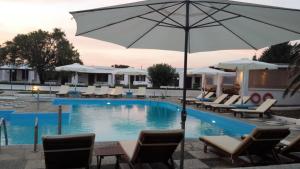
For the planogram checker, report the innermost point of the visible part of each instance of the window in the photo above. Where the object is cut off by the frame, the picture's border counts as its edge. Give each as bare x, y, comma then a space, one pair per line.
141, 78
102, 77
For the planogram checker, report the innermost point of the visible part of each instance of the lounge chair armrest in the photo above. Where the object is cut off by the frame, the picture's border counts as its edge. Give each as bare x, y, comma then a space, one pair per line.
244, 136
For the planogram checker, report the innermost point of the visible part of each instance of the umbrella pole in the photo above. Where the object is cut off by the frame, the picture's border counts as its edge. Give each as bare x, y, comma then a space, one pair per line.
183, 112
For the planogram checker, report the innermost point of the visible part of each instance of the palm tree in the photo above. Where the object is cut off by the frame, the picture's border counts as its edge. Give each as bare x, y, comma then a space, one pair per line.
294, 82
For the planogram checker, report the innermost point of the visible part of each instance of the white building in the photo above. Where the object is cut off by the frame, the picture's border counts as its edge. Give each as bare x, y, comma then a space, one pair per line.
18, 74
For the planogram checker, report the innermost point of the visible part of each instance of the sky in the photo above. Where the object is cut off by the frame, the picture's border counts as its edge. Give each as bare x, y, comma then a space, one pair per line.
23, 16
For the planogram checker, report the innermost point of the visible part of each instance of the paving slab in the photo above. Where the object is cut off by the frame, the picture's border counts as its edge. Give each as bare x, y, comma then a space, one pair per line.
192, 164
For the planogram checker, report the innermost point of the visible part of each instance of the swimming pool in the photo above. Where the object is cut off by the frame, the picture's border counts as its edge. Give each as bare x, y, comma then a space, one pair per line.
120, 120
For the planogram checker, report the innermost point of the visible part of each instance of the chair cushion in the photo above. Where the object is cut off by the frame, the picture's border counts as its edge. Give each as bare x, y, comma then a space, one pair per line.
225, 143
128, 147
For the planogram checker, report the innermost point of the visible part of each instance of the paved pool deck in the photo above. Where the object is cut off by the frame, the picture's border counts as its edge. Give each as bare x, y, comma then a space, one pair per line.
23, 157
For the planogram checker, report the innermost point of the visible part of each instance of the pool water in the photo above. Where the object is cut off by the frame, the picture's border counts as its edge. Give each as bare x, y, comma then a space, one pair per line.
113, 120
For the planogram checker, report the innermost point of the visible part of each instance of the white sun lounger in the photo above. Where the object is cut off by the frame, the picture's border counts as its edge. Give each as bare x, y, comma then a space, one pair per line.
63, 91
261, 110
141, 92
102, 92
89, 91
216, 101
117, 91
231, 106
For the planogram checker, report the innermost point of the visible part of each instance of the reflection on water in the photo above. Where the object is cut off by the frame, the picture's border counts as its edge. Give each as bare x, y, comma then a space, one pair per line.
120, 122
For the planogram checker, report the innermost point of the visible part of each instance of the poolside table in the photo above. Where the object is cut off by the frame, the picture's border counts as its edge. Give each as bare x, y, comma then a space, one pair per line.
110, 150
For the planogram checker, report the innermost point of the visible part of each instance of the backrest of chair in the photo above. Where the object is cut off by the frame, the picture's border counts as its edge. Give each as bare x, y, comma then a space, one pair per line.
142, 91
245, 100
72, 151
156, 146
104, 89
266, 105
232, 99
63, 89
220, 98
119, 90
90, 89
262, 140
294, 145
208, 95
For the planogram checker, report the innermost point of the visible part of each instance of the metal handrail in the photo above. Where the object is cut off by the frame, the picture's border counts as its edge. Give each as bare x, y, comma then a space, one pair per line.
36, 131
3, 124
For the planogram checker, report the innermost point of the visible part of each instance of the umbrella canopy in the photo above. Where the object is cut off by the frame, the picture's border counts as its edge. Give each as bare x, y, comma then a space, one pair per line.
243, 66
246, 64
208, 71
203, 71
75, 67
130, 71
189, 26
214, 25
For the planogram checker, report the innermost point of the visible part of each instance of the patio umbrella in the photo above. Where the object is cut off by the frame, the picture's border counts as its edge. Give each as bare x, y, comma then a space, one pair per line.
130, 71
189, 26
203, 71
77, 68
244, 66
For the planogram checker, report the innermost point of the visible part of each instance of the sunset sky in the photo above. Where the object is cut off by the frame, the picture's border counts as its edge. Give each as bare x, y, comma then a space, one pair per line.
23, 16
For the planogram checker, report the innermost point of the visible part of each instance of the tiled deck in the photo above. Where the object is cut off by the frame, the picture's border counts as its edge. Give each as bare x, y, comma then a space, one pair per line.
23, 157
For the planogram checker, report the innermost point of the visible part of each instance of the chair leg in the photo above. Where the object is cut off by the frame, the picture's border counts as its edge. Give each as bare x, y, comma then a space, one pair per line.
276, 157
205, 148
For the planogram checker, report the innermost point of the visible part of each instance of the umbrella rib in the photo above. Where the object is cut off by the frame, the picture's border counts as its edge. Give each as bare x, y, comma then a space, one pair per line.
205, 24
209, 15
168, 16
238, 36
120, 7
247, 5
168, 24
124, 20
144, 34
247, 17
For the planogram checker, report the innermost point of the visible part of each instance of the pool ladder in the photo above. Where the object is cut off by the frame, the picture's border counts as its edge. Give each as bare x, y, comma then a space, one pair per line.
3, 125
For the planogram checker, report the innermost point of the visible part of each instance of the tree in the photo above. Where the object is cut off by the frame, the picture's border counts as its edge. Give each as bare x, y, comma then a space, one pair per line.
162, 75
294, 82
41, 50
279, 53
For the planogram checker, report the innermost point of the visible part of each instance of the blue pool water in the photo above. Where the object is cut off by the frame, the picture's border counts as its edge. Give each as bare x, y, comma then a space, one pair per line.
119, 120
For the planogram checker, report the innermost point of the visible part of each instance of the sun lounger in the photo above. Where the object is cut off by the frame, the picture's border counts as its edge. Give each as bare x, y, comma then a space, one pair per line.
117, 91
216, 101
231, 106
261, 110
72, 151
260, 142
141, 92
229, 102
90, 91
152, 147
63, 91
288, 148
199, 98
102, 92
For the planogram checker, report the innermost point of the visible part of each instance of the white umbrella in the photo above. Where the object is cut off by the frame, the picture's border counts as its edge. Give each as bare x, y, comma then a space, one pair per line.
203, 71
244, 66
77, 68
190, 26
130, 71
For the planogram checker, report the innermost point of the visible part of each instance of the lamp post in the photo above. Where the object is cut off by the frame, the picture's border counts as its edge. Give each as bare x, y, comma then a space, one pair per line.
36, 88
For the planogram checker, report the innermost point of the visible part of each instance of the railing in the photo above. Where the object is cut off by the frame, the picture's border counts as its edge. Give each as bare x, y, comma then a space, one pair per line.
3, 125
36, 134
